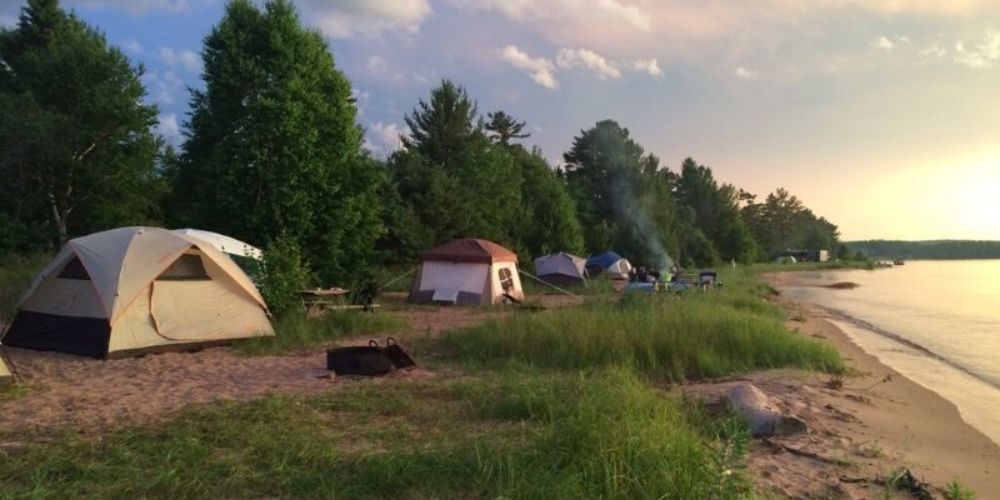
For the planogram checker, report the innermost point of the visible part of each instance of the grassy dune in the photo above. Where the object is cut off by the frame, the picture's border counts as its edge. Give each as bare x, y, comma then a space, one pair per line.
516, 435
694, 336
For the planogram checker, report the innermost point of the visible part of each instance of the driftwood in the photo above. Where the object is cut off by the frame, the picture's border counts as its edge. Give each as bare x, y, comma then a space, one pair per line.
804, 453
752, 404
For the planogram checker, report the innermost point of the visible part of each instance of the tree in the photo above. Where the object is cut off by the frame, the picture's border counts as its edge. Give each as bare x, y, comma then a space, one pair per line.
453, 178
79, 153
272, 145
622, 196
445, 127
716, 212
548, 223
503, 128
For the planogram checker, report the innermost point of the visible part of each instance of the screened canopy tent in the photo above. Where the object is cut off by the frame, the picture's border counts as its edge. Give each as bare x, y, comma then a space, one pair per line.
561, 269
467, 272
136, 289
609, 262
223, 243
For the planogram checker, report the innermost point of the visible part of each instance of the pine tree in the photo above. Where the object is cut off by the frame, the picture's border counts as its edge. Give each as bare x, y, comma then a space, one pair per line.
503, 128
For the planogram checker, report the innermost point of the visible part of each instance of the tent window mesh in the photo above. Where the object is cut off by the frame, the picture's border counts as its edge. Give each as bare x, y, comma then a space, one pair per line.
187, 267
506, 280
74, 270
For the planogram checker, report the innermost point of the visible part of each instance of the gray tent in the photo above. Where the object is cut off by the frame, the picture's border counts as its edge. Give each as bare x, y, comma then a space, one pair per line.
561, 269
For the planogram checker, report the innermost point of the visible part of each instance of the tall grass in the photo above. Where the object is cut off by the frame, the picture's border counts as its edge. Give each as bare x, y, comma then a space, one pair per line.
521, 435
296, 331
16, 273
700, 335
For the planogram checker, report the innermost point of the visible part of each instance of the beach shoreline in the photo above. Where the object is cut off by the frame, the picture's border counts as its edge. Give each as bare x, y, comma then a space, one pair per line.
906, 424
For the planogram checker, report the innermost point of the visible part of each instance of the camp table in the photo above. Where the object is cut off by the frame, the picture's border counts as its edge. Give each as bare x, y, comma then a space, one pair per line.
320, 299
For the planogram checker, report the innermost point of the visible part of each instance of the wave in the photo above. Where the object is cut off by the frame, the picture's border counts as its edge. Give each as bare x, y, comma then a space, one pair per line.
841, 315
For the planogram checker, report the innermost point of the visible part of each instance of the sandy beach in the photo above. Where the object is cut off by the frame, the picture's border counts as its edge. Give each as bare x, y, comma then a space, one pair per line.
865, 426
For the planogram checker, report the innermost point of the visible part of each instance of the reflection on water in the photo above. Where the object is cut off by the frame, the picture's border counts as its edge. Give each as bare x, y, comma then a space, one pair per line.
936, 322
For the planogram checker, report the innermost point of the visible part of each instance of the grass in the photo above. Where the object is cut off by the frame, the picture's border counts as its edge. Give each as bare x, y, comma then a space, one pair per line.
700, 335
955, 490
16, 274
560, 405
602, 434
294, 332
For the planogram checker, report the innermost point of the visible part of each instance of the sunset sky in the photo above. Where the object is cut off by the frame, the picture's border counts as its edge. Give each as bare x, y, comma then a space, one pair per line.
881, 115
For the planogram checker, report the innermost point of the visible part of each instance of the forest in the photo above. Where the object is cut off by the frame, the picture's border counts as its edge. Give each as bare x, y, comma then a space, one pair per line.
931, 249
273, 154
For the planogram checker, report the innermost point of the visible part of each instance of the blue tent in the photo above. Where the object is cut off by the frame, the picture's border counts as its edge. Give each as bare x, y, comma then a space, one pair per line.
603, 260
609, 262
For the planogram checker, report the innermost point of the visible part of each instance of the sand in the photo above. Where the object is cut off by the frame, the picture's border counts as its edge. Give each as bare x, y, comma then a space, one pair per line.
91, 396
876, 422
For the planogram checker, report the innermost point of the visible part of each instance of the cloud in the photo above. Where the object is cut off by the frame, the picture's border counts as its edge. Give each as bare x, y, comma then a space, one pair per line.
572, 11
982, 55
135, 5
883, 43
746, 74
647, 66
574, 58
168, 127
186, 59
350, 18
163, 89
133, 47
628, 13
376, 64
385, 137
542, 70
934, 51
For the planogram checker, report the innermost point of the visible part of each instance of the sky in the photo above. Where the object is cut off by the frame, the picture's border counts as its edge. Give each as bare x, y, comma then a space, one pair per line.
881, 115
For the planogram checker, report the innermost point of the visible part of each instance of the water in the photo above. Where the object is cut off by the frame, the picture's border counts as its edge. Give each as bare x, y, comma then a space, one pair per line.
936, 322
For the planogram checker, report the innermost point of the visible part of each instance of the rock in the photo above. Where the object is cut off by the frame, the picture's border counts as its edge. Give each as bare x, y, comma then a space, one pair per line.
753, 405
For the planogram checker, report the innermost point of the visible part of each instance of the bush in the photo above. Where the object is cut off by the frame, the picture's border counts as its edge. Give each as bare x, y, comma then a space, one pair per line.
282, 274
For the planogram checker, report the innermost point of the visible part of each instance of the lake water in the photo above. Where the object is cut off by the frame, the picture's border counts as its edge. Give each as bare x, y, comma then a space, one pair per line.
936, 322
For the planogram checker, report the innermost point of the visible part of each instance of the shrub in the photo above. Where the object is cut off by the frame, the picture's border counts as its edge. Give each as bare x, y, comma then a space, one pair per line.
282, 274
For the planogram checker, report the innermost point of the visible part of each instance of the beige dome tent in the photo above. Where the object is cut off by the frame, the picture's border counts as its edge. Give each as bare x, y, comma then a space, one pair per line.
467, 272
137, 289
6, 376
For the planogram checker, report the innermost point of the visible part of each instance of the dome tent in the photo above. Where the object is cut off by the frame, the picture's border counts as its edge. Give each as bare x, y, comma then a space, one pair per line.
6, 376
136, 289
561, 269
610, 262
467, 272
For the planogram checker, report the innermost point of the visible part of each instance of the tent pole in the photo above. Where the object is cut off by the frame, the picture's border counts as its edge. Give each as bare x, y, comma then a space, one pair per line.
397, 278
546, 283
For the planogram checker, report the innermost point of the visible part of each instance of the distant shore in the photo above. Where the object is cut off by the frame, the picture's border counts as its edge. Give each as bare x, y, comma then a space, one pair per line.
914, 427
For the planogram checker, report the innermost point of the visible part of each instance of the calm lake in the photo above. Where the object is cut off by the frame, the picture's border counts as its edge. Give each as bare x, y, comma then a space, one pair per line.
936, 322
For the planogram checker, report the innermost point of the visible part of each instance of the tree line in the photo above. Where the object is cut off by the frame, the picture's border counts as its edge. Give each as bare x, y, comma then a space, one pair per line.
272, 154
932, 249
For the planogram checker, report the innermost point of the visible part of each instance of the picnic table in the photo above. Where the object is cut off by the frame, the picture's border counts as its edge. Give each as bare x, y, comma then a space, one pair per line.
323, 299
